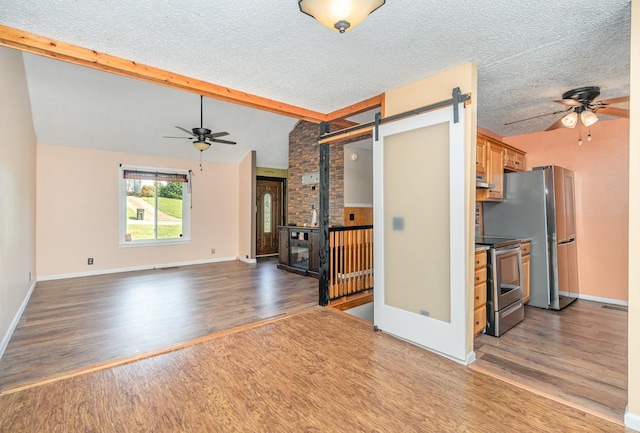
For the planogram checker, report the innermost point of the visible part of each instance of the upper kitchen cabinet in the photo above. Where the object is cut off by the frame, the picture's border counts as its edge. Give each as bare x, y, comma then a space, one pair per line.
514, 159
494, 169
493, 158
481, 158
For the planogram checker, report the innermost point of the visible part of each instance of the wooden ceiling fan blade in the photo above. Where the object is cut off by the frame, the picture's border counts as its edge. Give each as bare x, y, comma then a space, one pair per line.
223, 141
169, 136
185, 130
614, 100
217, 134
536, 117
557, 124
569, 102
611, 111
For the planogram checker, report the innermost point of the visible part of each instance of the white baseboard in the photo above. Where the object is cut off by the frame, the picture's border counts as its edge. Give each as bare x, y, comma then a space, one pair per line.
631, 420
133, 268
604, 300
471, 358
12, 327
247, 260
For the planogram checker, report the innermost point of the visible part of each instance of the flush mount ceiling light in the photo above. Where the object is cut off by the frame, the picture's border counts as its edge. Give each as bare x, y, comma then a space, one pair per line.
339, 15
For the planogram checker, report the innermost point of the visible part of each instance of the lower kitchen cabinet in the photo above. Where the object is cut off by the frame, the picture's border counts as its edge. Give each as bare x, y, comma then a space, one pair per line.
480, 293
525, 250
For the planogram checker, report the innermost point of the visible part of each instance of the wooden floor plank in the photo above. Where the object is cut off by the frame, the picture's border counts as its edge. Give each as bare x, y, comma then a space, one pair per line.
74, 323
577, 355
107, 327
300, 373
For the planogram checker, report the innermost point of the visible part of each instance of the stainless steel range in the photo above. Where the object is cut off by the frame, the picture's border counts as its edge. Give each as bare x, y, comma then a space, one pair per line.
505, 308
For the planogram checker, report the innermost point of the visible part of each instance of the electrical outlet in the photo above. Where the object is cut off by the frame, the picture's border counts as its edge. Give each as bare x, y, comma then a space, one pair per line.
90, 261
213, 250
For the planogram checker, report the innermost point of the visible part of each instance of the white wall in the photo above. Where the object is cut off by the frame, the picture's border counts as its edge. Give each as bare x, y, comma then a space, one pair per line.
17, 192
632, 418
435, 89
77, 200
358, 175
247, 210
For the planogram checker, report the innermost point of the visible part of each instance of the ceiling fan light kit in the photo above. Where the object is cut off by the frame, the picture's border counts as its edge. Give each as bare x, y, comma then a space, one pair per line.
201, 145
588, 118
570, 120
339, 15
582, 108
203, 137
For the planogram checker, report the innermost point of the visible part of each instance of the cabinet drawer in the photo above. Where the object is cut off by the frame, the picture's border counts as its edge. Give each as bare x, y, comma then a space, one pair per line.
479, 295
479, 320
480, 276
525, 249
480, 259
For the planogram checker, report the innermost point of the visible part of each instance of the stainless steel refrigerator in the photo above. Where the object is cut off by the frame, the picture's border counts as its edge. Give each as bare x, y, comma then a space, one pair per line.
540, 205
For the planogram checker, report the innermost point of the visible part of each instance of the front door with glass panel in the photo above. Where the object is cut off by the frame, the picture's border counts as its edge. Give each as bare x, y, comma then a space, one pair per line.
268, 215
420, 247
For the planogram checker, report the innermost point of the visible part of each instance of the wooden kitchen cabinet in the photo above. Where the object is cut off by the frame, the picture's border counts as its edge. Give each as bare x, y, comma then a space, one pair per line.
494, 168
481, 158
514, 159
525, 250
480, 293
493, 158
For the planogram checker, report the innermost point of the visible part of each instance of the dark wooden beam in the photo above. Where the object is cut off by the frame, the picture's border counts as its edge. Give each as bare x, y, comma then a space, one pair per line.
323, 225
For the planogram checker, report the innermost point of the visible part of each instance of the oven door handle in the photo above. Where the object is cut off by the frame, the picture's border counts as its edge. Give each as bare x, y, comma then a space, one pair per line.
511, 309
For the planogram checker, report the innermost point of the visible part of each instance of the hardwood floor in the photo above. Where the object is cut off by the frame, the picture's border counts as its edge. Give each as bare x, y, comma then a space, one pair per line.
577, 355
74, 323
237, 347
297, 373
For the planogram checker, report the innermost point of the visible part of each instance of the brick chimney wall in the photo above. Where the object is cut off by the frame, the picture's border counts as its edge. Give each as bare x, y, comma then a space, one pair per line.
304, 157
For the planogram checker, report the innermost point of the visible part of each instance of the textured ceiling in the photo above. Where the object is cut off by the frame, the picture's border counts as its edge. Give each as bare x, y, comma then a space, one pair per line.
528, 53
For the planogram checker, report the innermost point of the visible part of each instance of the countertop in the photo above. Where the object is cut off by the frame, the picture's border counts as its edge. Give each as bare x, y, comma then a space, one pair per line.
486, 247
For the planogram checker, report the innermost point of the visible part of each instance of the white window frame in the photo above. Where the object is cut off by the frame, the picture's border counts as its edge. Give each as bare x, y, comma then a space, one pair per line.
122, 208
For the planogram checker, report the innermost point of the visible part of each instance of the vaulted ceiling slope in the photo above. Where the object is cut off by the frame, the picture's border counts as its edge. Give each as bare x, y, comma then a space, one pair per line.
528, 53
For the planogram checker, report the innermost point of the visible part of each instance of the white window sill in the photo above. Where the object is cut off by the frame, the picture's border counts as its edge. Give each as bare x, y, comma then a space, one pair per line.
153, 243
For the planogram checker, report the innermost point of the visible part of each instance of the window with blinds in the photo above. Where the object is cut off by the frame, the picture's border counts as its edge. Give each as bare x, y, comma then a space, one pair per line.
154, 205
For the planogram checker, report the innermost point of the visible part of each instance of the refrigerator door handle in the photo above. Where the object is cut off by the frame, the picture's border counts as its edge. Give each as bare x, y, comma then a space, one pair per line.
567, 241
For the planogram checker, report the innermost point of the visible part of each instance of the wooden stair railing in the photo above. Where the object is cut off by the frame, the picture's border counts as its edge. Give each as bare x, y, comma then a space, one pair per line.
350, 260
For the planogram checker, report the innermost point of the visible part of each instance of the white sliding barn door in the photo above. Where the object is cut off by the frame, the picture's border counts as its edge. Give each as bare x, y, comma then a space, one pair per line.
419, 244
